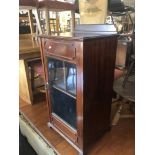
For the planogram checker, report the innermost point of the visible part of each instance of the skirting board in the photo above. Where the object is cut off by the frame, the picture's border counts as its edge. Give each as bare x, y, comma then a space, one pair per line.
34, 139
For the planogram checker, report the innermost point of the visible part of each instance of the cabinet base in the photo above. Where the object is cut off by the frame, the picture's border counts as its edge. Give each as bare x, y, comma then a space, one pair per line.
69, 141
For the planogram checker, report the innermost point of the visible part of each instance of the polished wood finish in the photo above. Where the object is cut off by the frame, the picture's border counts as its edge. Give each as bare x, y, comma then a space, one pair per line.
118, 141
95, 63
66, 50
64, 128
98, 70
27, 47
56, 5
27, 3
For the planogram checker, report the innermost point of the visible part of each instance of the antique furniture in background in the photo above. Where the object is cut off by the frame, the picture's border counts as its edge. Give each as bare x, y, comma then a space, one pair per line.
79, 73
31, 80
49, 5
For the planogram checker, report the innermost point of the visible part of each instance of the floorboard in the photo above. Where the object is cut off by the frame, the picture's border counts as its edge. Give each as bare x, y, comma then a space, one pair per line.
120, 140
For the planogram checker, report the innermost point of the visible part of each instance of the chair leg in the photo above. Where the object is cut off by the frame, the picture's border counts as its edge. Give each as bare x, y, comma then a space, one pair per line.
117, 115
37, 17
128, 73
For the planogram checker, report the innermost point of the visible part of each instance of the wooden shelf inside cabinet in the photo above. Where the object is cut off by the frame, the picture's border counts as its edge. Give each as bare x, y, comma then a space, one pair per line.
90, 74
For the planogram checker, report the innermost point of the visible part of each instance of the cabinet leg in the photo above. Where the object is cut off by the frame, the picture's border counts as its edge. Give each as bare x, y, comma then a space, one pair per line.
81, 153
49, 124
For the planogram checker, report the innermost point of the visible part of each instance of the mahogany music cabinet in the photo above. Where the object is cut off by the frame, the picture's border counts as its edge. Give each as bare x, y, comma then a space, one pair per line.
79, 72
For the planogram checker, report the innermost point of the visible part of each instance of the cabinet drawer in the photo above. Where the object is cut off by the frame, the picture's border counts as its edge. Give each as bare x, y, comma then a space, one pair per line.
71, 134
64, 49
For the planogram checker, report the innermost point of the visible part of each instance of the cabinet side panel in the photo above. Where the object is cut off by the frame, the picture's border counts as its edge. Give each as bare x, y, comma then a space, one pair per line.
99, 63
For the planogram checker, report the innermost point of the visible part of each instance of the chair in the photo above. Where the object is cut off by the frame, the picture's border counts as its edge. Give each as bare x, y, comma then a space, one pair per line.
124, 85
131, 62
129, 70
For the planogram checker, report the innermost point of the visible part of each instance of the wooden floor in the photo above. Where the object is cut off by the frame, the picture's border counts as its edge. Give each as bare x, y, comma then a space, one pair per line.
119, 141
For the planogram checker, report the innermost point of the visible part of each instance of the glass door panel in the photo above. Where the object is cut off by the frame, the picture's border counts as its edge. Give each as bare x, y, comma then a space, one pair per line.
71, 78
62, 81
56, 72
64, 106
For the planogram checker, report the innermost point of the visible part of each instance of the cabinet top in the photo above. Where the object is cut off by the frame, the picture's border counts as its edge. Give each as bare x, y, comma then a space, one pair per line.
76, 36
86, 31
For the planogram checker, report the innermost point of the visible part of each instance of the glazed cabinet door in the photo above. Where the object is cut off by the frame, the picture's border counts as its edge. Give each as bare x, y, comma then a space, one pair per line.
62, 77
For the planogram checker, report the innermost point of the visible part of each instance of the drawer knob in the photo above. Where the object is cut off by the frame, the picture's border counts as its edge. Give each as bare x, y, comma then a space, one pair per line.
49, 47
